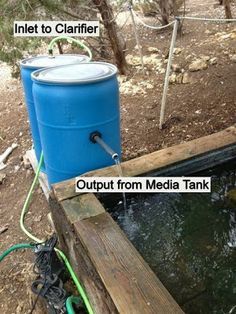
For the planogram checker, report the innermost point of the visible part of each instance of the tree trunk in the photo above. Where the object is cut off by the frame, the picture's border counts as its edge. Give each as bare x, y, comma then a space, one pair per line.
164, 8
109, 23
59, 48
228, 13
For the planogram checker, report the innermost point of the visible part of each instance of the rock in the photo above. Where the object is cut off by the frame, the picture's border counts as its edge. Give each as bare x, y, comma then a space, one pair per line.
26, 162
176, 68
150, 117
198, 65
142, 151
226, 36
38, 219
177, 51
172, 78
233, 58
2, 177
147, 85
233, 35
152, 60
213, 61
16, 168
186, 78
179, 78
205, 58
153, 50
28, 173
176, 78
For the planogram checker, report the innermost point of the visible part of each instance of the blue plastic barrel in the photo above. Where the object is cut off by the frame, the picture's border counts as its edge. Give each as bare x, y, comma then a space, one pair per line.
72, 102
27, 67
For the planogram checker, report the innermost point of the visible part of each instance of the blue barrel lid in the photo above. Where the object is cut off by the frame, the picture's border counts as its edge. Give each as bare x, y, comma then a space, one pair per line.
75, 73
47, 61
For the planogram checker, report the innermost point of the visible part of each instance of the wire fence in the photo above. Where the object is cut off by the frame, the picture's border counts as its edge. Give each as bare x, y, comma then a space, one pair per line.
151, 26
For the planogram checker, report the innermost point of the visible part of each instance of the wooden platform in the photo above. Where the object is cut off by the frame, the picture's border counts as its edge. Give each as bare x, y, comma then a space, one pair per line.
115, 276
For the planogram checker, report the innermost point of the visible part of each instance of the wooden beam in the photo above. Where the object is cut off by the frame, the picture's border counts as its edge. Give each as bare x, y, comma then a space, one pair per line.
115, 276
157, 160
128, 279
82, 207
76, 252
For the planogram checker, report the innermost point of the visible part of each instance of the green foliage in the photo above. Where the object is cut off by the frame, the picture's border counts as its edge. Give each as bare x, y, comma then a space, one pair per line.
12, 49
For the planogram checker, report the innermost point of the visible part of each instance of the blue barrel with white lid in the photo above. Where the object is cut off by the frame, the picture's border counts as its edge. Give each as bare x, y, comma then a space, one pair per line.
29, 65
72, 102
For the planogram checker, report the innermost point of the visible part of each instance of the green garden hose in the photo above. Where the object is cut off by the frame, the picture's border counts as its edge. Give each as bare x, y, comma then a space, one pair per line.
76, 281
69, 39
69, 301
37, 240
15, 247
27, 203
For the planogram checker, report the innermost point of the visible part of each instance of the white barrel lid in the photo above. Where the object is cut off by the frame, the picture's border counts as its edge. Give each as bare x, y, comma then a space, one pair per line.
47, 61
76, 73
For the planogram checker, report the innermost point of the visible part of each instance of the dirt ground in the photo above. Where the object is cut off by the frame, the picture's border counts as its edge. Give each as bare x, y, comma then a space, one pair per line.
204, 105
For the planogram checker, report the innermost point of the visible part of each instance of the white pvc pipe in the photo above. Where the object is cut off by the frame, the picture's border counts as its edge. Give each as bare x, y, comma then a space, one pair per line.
166, 83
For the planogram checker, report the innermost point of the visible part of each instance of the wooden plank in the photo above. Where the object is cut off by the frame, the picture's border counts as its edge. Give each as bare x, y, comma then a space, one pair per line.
157, 160
71, 245
43, 180
198, 163
131, 284
82, 207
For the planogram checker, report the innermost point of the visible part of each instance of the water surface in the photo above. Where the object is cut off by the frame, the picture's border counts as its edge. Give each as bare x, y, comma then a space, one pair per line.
189, 241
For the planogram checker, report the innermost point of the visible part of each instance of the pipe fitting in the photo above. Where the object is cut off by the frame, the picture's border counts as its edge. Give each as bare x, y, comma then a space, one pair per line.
93, 136
96, 138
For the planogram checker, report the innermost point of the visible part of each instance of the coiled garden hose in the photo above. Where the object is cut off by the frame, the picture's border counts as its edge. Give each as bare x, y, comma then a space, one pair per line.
70, 300
69, 39
59, 252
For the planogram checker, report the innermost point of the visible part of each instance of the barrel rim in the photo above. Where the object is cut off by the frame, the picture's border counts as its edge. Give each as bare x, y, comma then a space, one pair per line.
74, 81
25, 65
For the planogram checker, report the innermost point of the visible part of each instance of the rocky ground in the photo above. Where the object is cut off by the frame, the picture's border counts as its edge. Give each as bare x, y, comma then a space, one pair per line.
201, 100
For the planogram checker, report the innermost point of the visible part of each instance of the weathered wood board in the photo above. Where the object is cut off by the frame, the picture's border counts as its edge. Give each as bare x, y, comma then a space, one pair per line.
132, 285
160, 159
115, 276
75, 250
